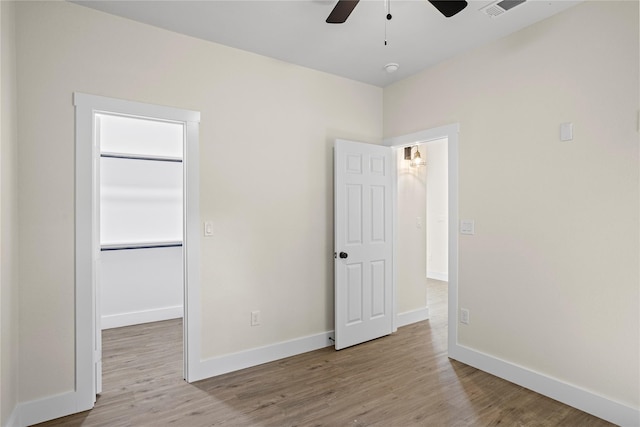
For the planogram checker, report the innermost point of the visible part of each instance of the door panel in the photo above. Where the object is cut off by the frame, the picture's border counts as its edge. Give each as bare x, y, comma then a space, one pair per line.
354, 215
354, 293
377, 288
363, 238
378, 198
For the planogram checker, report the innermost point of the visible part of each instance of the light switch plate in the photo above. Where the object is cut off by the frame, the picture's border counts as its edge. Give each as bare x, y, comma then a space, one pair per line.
208, 228
467, 226
566, 131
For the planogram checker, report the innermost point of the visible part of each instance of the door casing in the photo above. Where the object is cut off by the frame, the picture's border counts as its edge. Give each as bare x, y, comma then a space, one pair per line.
87, 243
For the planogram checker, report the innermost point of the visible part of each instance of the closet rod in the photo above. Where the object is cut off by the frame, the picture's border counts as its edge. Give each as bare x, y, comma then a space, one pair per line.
141, 157
128, 246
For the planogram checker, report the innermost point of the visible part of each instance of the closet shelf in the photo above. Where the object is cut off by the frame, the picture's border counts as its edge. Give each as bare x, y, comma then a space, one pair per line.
140, 157
146, 245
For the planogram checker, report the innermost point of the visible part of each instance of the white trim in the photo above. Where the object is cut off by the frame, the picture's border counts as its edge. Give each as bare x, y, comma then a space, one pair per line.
84, 264
438, 275
142, 316
413, 316
256, 356
452, 309
135, 109
48, 408
566, 393
87, 247
191, 251
13, 419
423, 136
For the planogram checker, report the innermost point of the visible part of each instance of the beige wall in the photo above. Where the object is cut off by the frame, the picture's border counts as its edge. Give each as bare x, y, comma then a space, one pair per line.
551, 277
8, 216
266, 140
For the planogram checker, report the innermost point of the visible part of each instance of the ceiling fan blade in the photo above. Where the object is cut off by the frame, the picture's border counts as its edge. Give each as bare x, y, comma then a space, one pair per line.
341, 11
449, 7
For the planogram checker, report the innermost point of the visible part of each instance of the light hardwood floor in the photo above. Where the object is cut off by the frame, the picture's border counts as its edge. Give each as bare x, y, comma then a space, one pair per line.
404, 379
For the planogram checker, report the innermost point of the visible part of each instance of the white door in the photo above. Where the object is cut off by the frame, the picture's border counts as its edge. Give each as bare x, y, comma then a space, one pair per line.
363, 242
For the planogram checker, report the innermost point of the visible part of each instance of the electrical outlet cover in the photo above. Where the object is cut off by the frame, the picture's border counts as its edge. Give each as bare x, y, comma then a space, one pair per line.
464, 316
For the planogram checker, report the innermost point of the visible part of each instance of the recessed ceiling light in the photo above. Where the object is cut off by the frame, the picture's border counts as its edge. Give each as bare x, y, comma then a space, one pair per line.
391, 67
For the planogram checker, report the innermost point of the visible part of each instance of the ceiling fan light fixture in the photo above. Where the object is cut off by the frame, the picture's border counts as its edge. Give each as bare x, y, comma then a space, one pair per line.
391, 67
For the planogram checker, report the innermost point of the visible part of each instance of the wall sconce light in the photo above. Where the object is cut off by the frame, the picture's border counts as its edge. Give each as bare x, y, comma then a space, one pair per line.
416, 158
407, 153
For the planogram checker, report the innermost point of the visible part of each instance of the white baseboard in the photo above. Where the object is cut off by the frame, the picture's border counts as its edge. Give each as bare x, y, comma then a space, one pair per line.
569, 394
48, 408
257, 356
12, 421
438, 275
138, 317
413, 316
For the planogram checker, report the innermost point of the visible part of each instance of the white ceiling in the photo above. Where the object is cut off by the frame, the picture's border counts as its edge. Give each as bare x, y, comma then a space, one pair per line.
295, 30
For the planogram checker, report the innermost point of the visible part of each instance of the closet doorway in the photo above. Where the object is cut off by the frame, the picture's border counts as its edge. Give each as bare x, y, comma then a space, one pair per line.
140, 274
137, 227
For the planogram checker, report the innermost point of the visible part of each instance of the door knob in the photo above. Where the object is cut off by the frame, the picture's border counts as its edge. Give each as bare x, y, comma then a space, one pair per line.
343, 255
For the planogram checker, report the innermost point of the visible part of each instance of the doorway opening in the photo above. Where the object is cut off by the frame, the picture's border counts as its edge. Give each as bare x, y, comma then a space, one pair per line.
441, 218
422, 202
117, 160
140, 216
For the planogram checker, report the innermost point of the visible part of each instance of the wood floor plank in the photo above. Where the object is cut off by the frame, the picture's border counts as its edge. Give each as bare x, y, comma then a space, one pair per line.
404, 379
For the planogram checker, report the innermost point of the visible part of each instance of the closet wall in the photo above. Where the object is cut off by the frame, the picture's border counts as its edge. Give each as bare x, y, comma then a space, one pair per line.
141, 276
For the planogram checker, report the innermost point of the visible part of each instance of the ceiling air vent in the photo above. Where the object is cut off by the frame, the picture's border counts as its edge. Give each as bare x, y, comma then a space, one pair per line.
500, 7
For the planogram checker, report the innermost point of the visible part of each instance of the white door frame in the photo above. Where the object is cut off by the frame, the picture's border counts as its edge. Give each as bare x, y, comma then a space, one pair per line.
451, 133
87, 234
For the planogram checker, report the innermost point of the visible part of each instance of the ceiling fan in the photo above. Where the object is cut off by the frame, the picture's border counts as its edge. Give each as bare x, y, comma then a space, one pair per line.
343, 9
